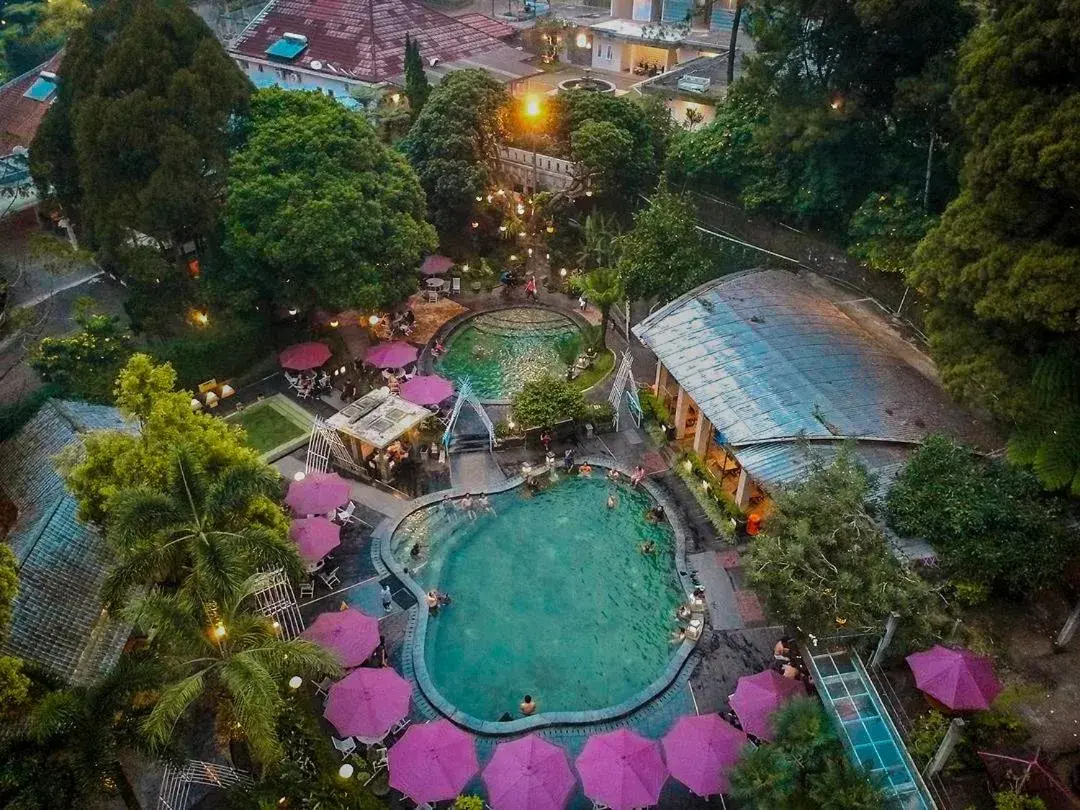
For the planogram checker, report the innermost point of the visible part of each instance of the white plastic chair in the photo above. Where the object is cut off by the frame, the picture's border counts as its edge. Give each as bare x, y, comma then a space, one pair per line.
455, 285
313, 567
331, 578
346, 746
307, 590
400, 725
346, 515
323, 688
379, 762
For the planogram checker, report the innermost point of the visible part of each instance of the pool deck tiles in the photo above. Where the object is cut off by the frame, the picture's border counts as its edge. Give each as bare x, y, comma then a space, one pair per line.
719, 591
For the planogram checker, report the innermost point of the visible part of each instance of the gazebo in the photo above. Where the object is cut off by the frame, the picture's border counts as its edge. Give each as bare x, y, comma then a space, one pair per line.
372, 424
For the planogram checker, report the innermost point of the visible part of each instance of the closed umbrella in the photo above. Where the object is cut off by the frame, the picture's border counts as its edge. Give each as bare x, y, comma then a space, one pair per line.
367, 703
304, 356
622, 770
529, 773
700, 750
758, 696
427, 389
315, 537
959, 679
432, 762
391, 355
317, 494
349, 634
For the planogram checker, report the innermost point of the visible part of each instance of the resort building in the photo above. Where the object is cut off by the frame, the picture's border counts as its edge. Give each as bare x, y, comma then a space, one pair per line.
23, 103
762, 371
347, 48
58, 621
692, 90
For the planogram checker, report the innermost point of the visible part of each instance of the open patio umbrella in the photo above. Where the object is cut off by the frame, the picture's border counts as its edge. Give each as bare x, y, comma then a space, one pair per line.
700, 750
314, 537
529, 773
350, 634
432, 762
959, 679
622, 770
317, 494
427, 389
367, 703
304, 356
436, 265
391, 355
758, 696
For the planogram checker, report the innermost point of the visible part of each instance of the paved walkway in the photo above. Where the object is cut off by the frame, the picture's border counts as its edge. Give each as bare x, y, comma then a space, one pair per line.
384, 503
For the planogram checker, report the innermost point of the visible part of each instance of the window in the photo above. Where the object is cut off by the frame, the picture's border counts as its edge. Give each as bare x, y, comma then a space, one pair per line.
609, 51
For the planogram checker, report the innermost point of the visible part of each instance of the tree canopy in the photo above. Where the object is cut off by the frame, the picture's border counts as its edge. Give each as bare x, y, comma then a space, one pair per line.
84, 365
417, 88
1002, 269
822, 563
663, 255
138, 137
319, 212
451, 145
990, 521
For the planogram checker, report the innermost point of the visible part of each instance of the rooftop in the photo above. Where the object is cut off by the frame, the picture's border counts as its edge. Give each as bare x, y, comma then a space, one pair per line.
378, 418
23, 102
666, 34
365, 39
777, 367
679, 81
58, 620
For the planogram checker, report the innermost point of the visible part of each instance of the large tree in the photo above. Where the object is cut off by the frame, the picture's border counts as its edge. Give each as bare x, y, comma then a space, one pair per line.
452, 144
1002, 269
417, 87
319, 212
822, 563
138, 138
663, 255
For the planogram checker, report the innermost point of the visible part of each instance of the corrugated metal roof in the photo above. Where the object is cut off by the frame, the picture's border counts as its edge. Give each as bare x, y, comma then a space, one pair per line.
787, 462
57, 619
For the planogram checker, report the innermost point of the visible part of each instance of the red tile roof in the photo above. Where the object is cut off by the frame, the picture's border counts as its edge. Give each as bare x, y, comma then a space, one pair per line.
488, 25
364, 39
20, 116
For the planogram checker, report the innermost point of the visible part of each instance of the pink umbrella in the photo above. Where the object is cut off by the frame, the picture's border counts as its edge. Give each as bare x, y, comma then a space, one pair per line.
758, 696
303, 356
391, 355
349, 633
430, 389
315, 537
367, 703
700, 750
960, 679
433, 762
317, 494
622, 770
529, 774
435, 265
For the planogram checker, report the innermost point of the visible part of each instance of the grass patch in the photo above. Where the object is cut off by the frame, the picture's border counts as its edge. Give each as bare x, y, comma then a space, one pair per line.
601, 368
267, 427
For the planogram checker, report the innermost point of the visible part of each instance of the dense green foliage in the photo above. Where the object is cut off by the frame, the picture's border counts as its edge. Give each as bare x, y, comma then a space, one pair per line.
207, 533
885, 230
1002, 269
663, 255
805, 767
9, 586
604, 288
239, 661
823, 565
15, 414
546, 402
451, 145
112, 461
838, 101
34, 30
991, 522
138, 137
417, 88
319, 212
84, 365
225, 350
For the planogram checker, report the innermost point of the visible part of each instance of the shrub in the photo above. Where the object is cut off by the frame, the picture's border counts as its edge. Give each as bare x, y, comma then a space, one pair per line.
85, 364
545, 402
468, 803
652, 408
218, 352
1011, 800
927, 732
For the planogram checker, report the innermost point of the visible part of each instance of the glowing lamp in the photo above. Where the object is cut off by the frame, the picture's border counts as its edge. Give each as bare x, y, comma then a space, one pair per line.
582, 40
532, 106
373, 320
299, 475
293, 310
562, 272
520, 209
334, 324
345, 771
476, 224
219, 630
295, 681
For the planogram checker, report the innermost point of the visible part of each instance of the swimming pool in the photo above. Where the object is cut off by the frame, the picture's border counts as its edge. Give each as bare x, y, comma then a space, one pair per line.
500, 351
552, 597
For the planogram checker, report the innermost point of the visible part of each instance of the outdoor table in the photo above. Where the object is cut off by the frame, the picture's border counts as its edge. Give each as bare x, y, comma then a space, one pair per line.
435, 283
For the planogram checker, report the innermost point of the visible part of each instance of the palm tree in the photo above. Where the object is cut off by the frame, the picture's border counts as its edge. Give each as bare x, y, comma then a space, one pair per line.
764, 778
237, 660
67, 752
205, 534
842, 786
693, 118
600, 242
604, 287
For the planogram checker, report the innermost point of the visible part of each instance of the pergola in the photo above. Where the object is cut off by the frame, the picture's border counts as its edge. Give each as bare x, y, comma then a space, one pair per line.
374, 422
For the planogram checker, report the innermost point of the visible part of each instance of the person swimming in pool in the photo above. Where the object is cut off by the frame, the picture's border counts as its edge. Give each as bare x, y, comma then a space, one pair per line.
528, 706
648, 547
612, 500
655, 515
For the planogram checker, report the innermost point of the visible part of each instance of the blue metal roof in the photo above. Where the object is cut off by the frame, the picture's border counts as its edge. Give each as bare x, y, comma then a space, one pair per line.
57, 619
286, 48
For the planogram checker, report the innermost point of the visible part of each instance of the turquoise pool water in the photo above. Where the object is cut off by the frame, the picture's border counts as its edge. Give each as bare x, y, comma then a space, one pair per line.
500, 351
551, 597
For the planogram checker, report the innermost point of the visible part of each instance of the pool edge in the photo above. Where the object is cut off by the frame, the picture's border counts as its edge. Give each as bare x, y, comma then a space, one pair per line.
494, 728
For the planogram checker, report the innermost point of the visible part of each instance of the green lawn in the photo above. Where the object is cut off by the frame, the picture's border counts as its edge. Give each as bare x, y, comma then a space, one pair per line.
601, 368
267, 427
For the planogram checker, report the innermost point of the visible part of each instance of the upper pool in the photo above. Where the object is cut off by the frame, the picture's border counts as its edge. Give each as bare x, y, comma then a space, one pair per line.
551, 596
502, 350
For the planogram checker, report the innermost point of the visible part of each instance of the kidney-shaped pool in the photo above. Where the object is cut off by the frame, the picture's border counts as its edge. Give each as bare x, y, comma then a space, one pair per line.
552, 596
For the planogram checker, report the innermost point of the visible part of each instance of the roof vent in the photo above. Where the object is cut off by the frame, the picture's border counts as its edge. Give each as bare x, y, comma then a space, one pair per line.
433, 61
694, 84
48, 74
288, 47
